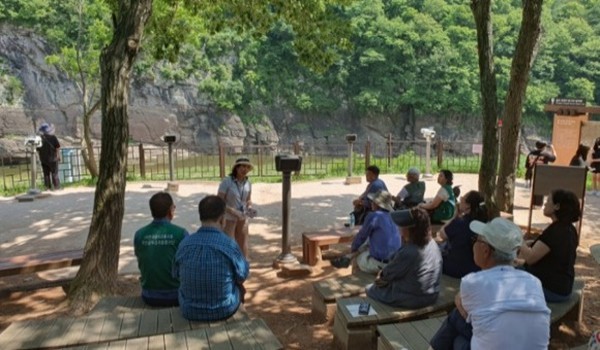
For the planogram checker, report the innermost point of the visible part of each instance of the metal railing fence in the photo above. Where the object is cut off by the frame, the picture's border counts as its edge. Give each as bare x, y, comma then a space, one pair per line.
151, 163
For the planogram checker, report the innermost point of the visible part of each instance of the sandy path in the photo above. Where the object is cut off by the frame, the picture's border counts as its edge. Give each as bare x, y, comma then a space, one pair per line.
61, 221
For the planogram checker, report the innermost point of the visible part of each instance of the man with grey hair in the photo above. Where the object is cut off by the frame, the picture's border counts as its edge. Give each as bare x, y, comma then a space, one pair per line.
412, 193
499, 307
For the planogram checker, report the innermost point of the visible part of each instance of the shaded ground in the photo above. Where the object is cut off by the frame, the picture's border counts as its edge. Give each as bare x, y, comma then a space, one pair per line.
285, 304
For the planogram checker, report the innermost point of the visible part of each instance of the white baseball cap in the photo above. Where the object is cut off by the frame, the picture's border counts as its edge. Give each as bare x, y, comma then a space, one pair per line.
500, 233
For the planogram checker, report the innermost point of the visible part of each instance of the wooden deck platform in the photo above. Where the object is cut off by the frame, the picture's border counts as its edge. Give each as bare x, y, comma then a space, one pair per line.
109, 322
251, 334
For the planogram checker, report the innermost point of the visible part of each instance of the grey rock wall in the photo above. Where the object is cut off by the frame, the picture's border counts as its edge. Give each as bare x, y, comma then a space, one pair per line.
161, 107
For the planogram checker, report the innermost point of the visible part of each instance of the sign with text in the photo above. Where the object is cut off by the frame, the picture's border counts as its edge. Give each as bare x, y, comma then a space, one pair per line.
568, 101
566, 133
477, 148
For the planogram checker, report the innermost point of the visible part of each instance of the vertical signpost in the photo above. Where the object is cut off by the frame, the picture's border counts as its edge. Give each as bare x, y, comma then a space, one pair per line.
286, 164
428, 134
170, 140
351, 138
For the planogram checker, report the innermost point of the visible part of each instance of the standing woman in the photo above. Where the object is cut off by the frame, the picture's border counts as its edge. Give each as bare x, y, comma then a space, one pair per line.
236, 190
595, 165
551, 257
442, 206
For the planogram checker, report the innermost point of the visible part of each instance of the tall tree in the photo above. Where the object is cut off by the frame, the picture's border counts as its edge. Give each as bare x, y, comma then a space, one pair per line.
319, 32
525, 53
81, 39
482, 12
97, 275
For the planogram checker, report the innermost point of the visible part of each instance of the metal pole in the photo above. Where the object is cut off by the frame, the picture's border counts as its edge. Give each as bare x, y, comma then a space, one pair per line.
350, 151
428, 157
286, 255
33, 190
33, 167
171, 163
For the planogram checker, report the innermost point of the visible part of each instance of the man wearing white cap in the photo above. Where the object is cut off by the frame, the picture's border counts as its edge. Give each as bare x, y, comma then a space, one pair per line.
499, 307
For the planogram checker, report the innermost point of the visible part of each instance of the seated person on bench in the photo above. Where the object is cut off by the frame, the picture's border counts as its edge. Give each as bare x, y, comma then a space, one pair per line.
412, 193
362, 205
499, 307
551, 256
442, 206
457, 248
155, 246
412, 278
378, 238
211, 267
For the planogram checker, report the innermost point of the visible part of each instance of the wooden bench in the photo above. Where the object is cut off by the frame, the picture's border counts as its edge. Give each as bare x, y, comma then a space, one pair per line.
416, 334
571, 309
314, 242
595, 251
327, 291
361, 331
413, 335
114, 321
24, 264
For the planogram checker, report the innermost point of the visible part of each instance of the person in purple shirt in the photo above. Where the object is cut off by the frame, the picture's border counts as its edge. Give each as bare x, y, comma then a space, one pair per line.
362, 204
378, 238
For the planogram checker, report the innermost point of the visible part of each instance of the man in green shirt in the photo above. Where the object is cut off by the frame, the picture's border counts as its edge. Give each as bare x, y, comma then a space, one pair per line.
155, 246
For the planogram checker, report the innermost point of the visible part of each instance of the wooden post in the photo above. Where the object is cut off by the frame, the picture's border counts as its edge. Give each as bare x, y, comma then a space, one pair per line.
440, 152
221, 160
142, 161
367, 153
389, 150
260, 161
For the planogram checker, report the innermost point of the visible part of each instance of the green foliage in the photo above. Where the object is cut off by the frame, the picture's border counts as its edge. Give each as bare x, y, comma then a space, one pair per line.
375, 56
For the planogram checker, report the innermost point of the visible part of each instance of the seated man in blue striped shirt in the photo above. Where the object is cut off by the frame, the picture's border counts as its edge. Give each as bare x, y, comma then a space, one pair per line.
211, 267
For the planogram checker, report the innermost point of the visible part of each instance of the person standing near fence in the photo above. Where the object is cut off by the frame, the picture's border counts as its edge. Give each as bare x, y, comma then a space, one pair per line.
236, 190
49, 154
595, 165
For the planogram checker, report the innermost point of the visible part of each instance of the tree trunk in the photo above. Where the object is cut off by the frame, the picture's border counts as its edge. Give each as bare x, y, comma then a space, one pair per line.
482, 12
88, 154
97, 275
525, 53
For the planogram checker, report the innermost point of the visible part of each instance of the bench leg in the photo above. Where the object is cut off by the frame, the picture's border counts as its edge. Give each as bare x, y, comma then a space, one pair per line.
321, 310
576, 313
311, 253
356, 338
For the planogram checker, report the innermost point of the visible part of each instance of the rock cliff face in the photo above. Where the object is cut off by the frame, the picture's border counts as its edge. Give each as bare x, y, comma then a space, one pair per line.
157, 108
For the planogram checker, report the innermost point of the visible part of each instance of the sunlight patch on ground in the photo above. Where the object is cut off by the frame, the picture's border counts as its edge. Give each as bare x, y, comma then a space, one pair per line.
42, 224
19, 241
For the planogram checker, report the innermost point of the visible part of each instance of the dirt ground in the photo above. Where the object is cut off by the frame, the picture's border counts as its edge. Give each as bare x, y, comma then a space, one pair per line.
284, 303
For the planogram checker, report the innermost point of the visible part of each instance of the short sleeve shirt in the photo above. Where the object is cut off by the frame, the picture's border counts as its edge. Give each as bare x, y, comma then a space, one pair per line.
506, 308
155, 246
210, 267
556, 269
236, 193
458, 260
